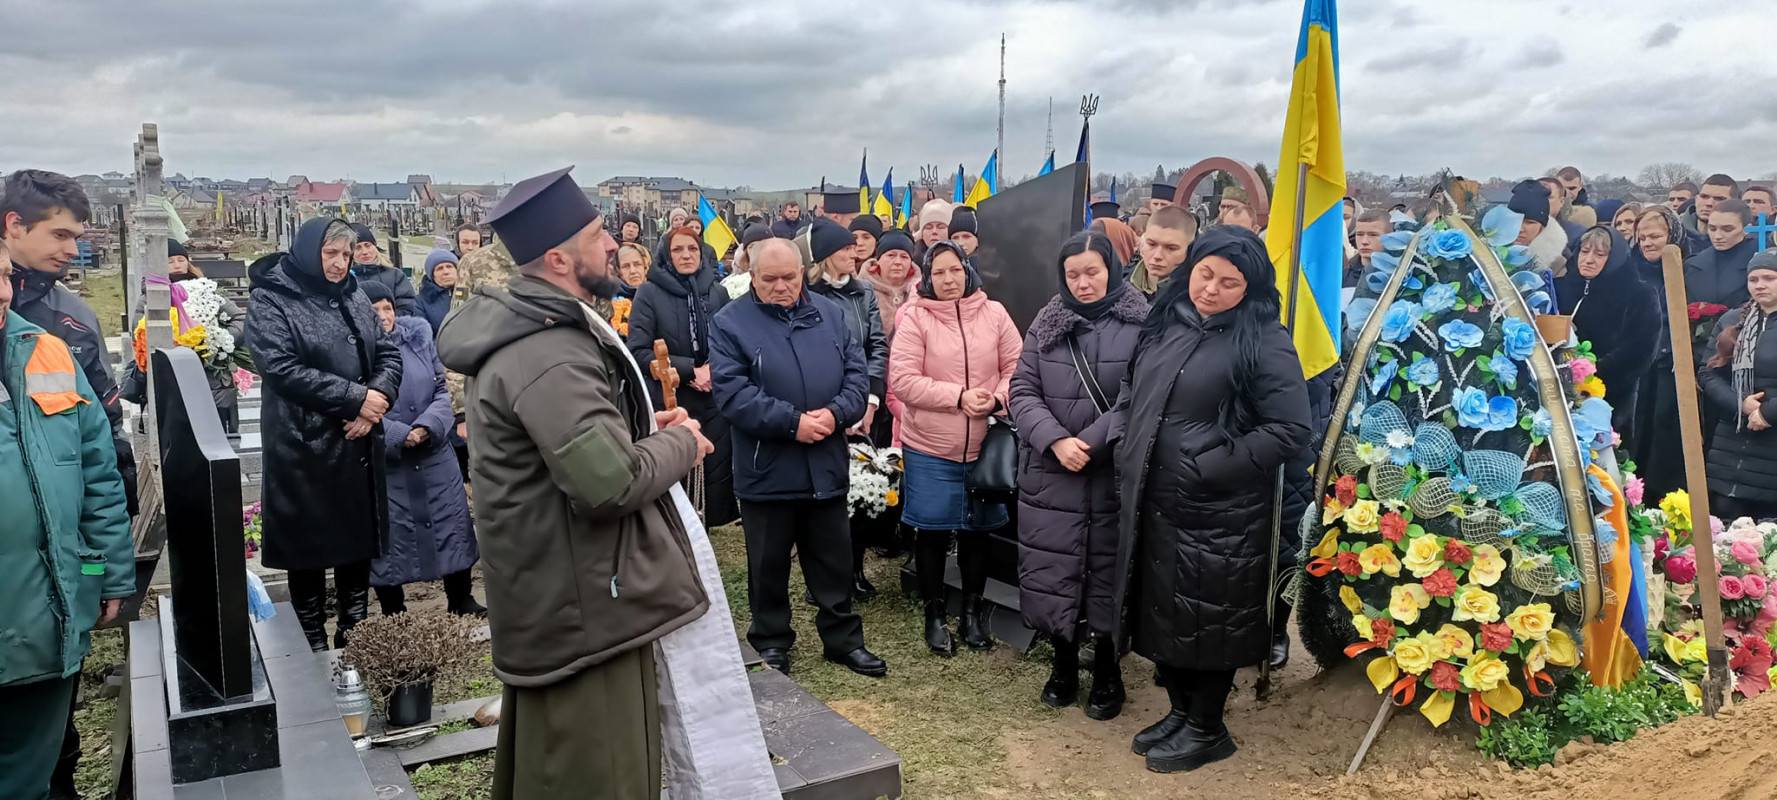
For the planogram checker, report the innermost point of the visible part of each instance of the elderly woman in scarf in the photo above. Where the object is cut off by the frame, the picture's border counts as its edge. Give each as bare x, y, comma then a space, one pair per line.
673, 306
1075, 358
1740, 382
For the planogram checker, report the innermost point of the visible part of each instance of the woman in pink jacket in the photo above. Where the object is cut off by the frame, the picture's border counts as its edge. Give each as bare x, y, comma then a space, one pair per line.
951, 367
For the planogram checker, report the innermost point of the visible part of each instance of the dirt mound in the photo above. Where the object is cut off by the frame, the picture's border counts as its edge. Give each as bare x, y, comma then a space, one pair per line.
1731, 756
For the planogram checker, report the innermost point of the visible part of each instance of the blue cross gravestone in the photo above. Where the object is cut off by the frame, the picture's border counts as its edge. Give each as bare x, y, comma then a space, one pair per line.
1761, 232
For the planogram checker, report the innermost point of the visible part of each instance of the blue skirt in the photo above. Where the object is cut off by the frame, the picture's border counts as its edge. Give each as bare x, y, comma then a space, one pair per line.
938, 499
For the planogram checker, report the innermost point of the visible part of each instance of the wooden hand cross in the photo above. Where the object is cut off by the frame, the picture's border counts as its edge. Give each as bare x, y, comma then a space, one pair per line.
662, 369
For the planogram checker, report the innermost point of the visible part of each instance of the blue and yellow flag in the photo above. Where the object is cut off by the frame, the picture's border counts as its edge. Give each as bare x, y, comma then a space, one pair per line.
885, 199
990, 177
716, 232
956, 192
1311, 139
864, 183
1048, 166
906, 207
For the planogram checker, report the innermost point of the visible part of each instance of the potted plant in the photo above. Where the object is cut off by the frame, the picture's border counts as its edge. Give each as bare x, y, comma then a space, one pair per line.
402, 656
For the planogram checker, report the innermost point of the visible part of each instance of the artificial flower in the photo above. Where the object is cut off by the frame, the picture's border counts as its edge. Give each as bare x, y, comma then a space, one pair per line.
1496, 636
1677, 508
1460, 335
1440, 649
1382, 629
1365, 631
1384, 376
1542, 424
1504, 371
1345, 489
1413, 655
1393, 526
1331, 511
1441, 583
1346, 562
1746, 553
1485, 672
1399, 439
1562, 650
1424, 556
1437, 707
1445, 677
1475, 603
1448, 245
1457, 640
1471, 407
1675, 648
1329, 545
1455, 552
1405, 601
1379, 558
1363, 516
1502, 413
1681, 568
1729, 588
1593, 387
1438, 298
1349, 597
1488, 565
1399, 320
1755, 585
1520, 338
1633, 491
1531, 622
1423, 372
1382, 672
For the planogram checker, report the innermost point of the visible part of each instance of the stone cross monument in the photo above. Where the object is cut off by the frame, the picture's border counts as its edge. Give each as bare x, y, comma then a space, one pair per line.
148, 249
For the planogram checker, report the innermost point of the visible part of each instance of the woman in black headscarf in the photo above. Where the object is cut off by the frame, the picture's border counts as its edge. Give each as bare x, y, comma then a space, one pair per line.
1074, 360
1214, 404
1614, 310
1739, 383
674, 306
1651, 438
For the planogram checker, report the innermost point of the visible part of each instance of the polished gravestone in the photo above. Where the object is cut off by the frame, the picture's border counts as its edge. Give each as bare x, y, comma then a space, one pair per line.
217, 705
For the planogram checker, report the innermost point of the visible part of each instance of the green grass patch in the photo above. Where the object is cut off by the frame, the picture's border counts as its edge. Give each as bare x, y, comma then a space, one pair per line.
105, 294
469, 778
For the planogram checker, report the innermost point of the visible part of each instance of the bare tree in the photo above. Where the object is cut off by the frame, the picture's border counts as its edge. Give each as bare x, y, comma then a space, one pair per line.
1667, 174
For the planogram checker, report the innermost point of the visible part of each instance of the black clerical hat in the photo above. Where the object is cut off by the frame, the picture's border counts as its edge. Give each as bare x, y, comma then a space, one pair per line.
841, 202
1164, 191
541, 213
1105, 209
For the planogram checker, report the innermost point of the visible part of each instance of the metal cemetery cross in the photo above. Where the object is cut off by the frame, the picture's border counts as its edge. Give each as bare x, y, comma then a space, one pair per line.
1762, 230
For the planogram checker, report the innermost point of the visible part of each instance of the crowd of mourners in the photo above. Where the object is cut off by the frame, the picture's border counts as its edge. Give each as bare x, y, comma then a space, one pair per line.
1154, 400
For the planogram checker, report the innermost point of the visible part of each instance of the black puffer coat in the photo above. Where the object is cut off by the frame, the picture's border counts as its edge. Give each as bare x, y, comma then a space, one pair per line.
1619, 314
1194, 534
858, 300
662, 310
1718, 276
320, 350
1742, 463
1067, 521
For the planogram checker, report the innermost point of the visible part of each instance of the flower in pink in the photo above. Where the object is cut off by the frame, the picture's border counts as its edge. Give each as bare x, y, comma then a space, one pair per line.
1681, 569
1767, 614
1583, 368
1616, 439
1715, 526
1633, 491
1746, 553
1662, 547
1730, 587
1755, 586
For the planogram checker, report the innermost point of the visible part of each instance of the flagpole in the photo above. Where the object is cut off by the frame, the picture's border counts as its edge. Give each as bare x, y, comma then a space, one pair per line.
1277, 522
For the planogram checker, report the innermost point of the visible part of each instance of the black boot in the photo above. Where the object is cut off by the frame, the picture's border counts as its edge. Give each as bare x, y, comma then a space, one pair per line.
937, 634
308, 597
973, 626
1106, 700
392, 599
460, 600
861, 588
1280, 650
1177, 717
1204, 739
1064, 676
351, 586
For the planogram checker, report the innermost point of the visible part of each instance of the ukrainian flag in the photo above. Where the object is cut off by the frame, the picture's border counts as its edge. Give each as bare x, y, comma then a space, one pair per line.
990, 177
1311, 138
885, 199
716, 232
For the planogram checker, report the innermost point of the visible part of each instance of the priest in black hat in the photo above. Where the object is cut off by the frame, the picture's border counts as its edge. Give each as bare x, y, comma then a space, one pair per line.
611, 627
1105, 209
841, 207
1161, 197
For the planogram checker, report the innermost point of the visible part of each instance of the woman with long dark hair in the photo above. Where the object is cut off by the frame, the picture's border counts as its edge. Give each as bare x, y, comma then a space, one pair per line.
673, 305
1740, 382
1214, 404
951, 365
1075, 357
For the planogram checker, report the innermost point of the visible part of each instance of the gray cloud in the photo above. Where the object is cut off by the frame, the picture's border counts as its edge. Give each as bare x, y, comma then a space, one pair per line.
1664, 35
1544, 52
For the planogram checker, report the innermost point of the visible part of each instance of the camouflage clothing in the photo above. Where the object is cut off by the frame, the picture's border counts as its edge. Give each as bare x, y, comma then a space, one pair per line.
488, 266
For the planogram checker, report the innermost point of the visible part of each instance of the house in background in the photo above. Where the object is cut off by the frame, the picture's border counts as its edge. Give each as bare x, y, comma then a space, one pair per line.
385, 196
327, 194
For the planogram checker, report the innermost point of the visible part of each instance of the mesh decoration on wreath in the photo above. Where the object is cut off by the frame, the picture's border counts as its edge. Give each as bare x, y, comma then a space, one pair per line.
1442, 530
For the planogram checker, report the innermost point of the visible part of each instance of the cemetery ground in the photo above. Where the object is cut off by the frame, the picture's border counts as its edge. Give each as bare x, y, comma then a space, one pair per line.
971, 727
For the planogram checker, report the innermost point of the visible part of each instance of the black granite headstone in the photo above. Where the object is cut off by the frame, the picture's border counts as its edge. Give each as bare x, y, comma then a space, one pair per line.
222, 718
1021, 231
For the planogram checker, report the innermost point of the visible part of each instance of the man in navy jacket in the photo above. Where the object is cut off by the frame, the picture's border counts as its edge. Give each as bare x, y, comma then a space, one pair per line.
790, 378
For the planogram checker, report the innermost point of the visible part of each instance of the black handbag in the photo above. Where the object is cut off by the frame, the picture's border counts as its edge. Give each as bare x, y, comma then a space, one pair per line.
993, 476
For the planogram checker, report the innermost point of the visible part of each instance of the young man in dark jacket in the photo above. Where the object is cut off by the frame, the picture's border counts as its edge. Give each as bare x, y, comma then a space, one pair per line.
790, 377
586, 551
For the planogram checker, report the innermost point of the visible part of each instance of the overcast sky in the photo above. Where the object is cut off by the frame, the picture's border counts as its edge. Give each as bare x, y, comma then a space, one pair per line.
777, 94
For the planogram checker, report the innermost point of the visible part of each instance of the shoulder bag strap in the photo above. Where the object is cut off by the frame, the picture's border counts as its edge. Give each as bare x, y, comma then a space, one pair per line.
1098, 398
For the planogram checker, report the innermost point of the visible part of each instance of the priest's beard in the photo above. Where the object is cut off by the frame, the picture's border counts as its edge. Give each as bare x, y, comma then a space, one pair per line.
603, 286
